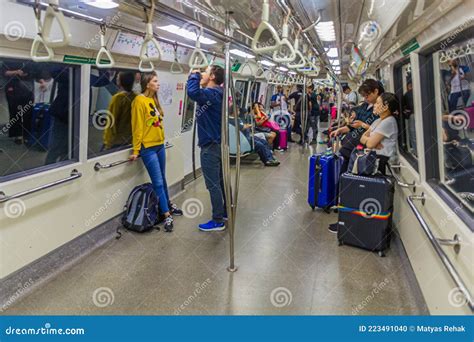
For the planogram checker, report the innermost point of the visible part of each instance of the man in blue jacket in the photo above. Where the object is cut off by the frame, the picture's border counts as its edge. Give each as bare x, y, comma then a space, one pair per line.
207, 91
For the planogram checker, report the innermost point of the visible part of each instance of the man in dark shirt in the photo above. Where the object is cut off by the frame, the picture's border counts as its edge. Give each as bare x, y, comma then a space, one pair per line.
206, 90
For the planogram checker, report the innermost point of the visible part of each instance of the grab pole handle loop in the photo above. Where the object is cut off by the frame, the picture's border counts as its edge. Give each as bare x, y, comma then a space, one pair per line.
265, 26
53, 12
145, 69
284, 42
176, 67
149, 38
39, 40
300, 56
198, 59
104, 50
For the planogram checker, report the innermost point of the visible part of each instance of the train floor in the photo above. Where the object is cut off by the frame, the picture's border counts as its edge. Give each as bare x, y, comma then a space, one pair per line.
288, 262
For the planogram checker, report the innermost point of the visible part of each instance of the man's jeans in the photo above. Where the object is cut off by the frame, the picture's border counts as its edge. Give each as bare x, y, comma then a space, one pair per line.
211, 165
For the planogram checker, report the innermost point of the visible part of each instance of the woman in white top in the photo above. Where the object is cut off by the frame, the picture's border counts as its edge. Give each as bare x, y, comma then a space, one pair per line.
383, 133
457, 76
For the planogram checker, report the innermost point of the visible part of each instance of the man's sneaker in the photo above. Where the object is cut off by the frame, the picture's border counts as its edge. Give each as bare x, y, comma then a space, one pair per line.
169, 224
272, 162
174, 210
212, 226
333, 228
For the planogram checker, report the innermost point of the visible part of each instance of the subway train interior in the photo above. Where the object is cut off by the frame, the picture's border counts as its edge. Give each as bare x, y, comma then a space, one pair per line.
287, 157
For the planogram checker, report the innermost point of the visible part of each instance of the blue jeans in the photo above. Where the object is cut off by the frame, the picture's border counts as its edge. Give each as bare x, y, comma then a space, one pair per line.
263, 150
453, 101
154, 159
211, 164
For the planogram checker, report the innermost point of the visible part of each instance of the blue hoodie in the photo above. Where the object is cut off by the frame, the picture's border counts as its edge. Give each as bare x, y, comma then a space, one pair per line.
208, 112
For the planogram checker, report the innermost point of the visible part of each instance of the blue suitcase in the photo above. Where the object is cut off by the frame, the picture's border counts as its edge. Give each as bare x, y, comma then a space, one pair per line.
40, 126
323, 184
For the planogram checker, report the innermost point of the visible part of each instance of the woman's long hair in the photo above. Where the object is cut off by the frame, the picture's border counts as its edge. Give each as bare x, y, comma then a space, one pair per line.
146, 78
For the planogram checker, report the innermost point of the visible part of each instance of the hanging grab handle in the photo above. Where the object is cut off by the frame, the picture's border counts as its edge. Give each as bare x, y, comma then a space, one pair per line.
300, 57
198, 59
142, 68
246, 65
290, 54
53, 12
150, 39
39, 40
176, 68
104, 50
257, 47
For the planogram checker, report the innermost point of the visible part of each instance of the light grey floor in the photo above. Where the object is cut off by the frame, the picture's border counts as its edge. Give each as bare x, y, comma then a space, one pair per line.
289, 263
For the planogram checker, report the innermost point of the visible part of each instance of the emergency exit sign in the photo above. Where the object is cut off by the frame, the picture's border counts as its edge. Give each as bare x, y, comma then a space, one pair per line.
412, 45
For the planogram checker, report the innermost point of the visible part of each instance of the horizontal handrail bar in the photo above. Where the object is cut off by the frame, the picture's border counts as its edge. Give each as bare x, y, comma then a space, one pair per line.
439, 250
74, 175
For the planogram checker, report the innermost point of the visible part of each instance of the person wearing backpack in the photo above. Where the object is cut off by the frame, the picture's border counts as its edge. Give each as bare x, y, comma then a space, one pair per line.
149, 143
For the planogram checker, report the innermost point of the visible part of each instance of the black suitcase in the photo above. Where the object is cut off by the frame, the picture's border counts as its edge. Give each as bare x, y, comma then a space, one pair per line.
365, 211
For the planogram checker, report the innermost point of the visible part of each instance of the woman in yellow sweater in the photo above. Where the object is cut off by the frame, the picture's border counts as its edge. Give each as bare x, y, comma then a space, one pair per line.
148, 142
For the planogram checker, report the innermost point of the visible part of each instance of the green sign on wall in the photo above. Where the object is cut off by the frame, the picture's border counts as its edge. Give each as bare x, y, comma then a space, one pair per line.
81, 60
412, 45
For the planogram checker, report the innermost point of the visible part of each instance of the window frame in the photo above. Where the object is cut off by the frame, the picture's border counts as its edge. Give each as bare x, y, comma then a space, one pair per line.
75, 129
112, 150
398, 90
431, 128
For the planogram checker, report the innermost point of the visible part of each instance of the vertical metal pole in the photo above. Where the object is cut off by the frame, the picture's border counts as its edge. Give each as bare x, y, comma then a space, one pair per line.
304, 113
225, 147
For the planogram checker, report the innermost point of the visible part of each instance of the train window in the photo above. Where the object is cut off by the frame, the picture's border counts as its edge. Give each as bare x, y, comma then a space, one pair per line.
408, 115
111, 96
37, 115
188, 116
456, 118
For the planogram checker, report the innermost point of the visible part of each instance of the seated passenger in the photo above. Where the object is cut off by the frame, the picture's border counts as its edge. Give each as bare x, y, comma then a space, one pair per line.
266, 126
261, 146
383, 132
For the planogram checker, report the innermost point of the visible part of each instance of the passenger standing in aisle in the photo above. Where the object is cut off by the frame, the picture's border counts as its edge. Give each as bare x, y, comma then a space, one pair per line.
149, 143
206, 90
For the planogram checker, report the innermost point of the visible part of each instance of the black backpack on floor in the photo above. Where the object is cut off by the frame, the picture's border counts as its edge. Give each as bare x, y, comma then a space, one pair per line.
141, 211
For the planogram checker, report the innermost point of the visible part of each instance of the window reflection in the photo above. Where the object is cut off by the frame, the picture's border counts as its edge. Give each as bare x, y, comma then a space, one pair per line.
35, 114
112, 93
409, 116
458, 122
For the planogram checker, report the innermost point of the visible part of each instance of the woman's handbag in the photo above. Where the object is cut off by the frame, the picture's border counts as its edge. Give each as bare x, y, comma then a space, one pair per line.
363, 161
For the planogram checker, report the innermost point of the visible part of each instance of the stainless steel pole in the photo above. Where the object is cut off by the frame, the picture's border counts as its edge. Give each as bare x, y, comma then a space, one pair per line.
303, 113
226, 173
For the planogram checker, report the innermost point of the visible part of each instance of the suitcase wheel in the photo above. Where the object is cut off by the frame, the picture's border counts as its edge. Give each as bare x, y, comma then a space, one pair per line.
313, 207
327, 210
381, 254
340, 243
